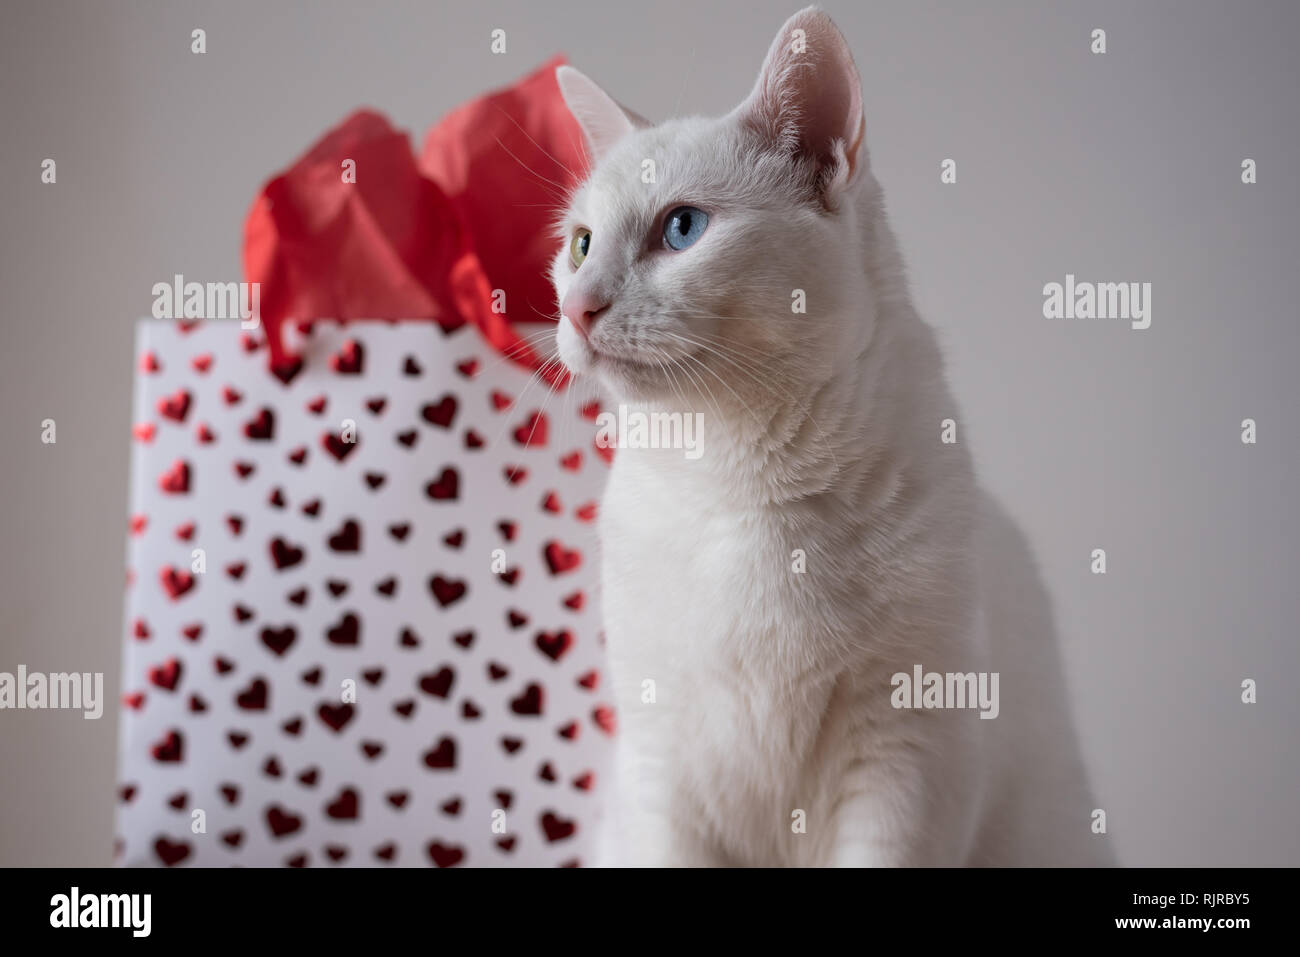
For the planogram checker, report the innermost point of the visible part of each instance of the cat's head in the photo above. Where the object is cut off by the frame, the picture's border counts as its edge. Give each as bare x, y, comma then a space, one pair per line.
711, 256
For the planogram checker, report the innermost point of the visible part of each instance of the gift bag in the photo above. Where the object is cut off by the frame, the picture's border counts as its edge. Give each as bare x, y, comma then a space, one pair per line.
361, 623
361, 626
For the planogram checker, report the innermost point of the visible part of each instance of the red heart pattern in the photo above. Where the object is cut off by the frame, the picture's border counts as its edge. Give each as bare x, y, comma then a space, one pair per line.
344, 683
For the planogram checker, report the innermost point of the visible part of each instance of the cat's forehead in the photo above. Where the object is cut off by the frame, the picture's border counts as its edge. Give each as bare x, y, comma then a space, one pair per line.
689, 160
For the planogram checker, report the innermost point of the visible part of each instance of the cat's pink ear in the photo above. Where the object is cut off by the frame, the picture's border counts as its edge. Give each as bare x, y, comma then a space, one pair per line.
602, 119
808, 98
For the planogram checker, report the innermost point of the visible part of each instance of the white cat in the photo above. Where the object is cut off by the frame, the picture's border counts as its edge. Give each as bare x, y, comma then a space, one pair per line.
761, 599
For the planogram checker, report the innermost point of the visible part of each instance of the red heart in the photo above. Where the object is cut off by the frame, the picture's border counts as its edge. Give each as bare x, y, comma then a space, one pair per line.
516, 618
504, 798
440, 413
511, 745
201, 363
464, 638
272, 768
584, 781
506, 844
149, 363
139, 523
298, 596
397, 798
308, 777
572, 461
230, 395
170, 750
400, 531
347, 538
411, 367
546, 773
231, 793
175, 582
167, 675
533, 431
375, 479
348, 360
185, 531
590, 411
557, 828
170, 853
409, 639
292, 727
242, 614
376, 405
442, 756
312, 676
450, 808
586, 513
141, 629
176, 480
253, 698
408, 437
233, 838
529, 702
279, 639
261, 428
473, 440
574, 601
298, 455
446, 856
134, 701
454, 539
501, 401
337, 447
446, 487
284, 555
237, 739
467, 367
286, 370
346, 807
204, 434
317, 405
569, 731
386, 587
515, 474
282, 822
235, 524
144, 432
335, 852
311, 508
560, 559
192, 632
386, 852
551, 503
346, 632
438, 683
604, 718
223, 665
507, 530
405, 708
245, 469
336, 716
372, 749
469, 710
175, 406
446, 591
236, 570
554, 646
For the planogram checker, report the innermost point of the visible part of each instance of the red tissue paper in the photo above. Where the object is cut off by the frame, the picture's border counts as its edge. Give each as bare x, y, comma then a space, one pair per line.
427, 241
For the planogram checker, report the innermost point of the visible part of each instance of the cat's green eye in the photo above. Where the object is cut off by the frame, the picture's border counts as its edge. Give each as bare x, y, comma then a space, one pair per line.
580, 246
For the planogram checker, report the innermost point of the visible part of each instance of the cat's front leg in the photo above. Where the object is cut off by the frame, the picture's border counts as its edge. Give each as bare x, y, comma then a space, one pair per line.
882, 821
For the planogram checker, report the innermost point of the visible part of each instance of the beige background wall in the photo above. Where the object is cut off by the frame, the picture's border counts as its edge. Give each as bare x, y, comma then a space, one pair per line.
1122, 167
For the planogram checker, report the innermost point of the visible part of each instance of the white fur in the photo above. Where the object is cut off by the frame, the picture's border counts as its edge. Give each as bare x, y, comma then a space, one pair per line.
772, 689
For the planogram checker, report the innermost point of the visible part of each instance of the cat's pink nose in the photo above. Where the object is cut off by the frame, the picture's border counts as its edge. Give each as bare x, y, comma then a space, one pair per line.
582, 308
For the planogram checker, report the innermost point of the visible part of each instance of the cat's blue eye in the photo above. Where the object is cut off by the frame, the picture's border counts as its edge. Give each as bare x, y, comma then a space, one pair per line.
684, 226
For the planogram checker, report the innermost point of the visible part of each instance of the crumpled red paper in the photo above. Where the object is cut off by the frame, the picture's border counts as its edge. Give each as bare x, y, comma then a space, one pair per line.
428, 241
